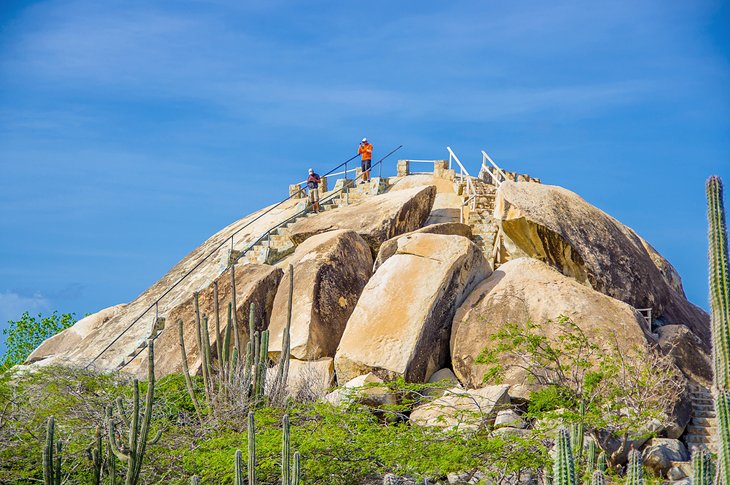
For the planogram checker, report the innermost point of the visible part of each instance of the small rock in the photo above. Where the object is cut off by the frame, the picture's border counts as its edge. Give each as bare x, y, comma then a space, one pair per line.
363, 389
509, 418
660, 454
462, 409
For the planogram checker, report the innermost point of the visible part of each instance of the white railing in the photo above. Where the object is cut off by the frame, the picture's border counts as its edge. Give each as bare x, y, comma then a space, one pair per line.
463, 176
486, 167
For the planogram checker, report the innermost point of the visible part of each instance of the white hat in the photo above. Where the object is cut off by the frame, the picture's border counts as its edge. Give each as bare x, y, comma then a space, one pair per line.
364, 140
311, 170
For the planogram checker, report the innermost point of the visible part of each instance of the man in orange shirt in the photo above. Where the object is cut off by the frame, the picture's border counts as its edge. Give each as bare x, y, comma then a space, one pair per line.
366, 150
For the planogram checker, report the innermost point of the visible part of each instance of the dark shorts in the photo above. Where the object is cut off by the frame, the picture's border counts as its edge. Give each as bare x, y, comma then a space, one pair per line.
366, 165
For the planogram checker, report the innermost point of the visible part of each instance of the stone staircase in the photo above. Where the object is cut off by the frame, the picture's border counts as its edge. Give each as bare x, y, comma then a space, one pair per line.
277, 245
702, 428
481, 219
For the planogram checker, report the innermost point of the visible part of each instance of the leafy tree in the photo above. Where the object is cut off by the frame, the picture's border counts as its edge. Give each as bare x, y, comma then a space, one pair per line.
593, 383
24, 335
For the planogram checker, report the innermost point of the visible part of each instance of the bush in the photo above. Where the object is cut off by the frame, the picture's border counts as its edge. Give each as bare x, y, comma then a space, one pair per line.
24, 335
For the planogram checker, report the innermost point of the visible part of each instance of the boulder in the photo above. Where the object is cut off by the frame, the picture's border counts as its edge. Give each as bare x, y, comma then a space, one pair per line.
376, 219
558, 227
367, 389
310, 380
687, 352
255, 283
680, 470
389, 247
71, 337
661, 453
526, 289
330, 271
462, 409
442, 379
108, 346
402, 321
509, 418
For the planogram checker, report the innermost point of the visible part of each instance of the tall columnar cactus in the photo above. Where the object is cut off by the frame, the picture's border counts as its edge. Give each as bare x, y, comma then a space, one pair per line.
138, 422
238, 480
52, 455
97, 456
563, 462
297, 470
186, 371
720, 319
577, 432
282, 373
601, 462
598, 478
634, 469
285, 452
251, 449
591, 456
701, 467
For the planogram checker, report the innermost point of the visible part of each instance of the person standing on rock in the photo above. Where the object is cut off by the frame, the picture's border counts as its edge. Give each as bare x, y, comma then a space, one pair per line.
366, 150
313, 186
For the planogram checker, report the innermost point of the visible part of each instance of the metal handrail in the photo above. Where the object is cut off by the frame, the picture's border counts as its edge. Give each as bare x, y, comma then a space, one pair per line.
486, 157
155, 304
463, 175
331, 175
265, 235
305, 210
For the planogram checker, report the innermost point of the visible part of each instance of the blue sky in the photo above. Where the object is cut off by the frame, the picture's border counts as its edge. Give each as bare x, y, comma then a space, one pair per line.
131, 131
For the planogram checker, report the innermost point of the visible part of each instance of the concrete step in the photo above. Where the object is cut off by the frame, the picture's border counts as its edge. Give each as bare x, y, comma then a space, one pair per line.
699, 430
706, 402
704, 414
703, 407
700, 439
702, 421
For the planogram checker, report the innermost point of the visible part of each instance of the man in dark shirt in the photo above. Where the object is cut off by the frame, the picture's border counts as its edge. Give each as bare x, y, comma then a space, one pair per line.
313, 186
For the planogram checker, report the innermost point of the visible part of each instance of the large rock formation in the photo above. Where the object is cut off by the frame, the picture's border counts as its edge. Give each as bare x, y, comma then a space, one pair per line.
402, 322
389, 247
107, 346
255, 284
526, 289
376, 219
558, 227
69, 339
330, 271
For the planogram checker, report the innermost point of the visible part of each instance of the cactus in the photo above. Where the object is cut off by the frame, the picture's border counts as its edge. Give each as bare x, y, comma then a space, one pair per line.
195, 480
577, 432
701, 467
251, 449
285, 452
52, 455
282, 373
634, 469
297, 470
601, 462
563, 462
591, 456
97, 456
186, 371
139, 424
598, 478
238, 480
720, 319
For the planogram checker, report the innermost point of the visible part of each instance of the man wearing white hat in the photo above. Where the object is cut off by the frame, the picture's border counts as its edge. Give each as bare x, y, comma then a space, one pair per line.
366, 150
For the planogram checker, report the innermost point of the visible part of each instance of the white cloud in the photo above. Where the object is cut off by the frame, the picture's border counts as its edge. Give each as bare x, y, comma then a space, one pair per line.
12, 305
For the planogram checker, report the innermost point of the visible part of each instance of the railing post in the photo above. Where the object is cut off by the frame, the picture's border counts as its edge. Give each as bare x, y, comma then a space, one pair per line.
345, 173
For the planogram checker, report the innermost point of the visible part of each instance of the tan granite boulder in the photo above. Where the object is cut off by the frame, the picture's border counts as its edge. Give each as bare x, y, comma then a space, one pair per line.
376, 219
70, 338
330, 271
106, 347
255, 283
556, 226
526, 289
311, 379
687, 352
389, 247
402, 321
367, 389
463, 409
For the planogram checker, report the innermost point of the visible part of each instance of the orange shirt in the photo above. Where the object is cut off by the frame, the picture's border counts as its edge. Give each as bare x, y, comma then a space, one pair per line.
366, 150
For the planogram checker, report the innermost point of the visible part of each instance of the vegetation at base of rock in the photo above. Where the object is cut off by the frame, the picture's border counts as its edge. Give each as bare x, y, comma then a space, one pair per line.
720, 319
24, 335
334, 446
587, 386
